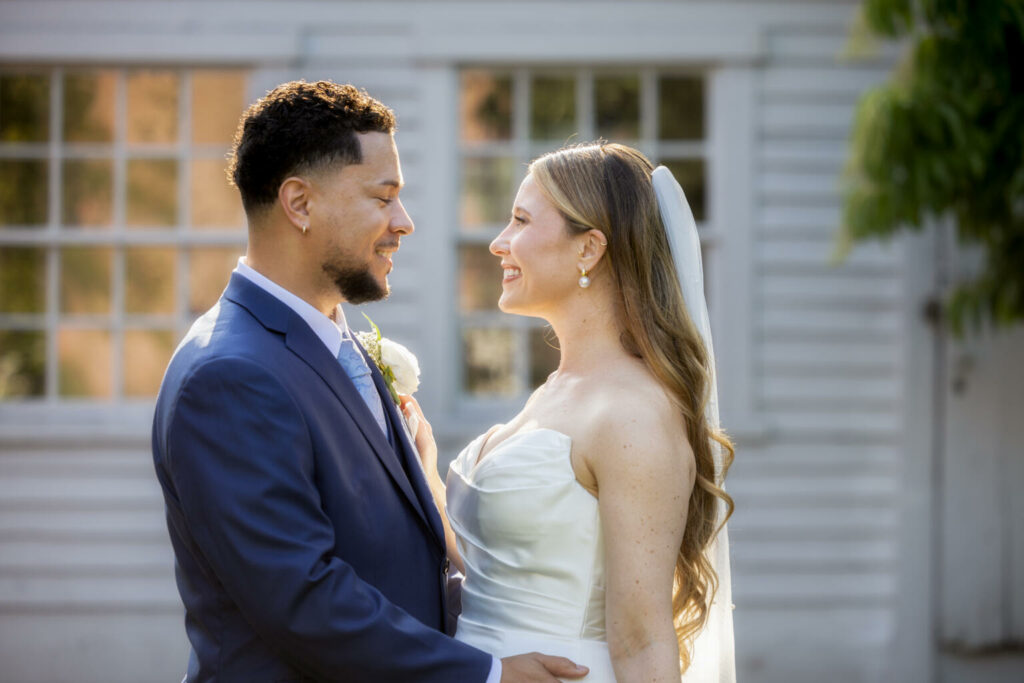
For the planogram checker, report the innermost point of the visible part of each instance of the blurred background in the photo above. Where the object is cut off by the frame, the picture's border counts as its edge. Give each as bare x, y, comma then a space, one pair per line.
878, 534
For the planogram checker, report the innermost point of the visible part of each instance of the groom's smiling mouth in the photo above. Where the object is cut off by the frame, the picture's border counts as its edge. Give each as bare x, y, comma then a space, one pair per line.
385, 251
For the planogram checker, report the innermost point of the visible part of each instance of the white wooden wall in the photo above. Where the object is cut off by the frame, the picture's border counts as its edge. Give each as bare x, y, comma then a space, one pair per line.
815, 537
86, 591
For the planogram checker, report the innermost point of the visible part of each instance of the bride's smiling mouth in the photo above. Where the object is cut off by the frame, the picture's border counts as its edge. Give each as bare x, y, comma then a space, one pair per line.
510, 273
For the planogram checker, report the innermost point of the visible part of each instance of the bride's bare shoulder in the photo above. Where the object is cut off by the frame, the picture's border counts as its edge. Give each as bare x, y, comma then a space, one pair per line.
630, 388
629, 411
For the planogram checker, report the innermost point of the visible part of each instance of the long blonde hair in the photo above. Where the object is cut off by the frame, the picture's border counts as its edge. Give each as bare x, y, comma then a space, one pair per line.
607, 187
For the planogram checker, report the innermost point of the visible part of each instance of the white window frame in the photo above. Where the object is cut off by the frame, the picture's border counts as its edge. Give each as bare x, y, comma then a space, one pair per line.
730, 138
53, 237
523, 149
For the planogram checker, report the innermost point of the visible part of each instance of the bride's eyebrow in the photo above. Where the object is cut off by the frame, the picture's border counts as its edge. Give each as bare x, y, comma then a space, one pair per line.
520, 210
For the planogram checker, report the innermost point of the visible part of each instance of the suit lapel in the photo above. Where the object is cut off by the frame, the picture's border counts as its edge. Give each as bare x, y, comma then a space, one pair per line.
406, 452
302, 341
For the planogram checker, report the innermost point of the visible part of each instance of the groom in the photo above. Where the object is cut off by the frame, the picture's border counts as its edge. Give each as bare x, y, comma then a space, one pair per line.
307, 544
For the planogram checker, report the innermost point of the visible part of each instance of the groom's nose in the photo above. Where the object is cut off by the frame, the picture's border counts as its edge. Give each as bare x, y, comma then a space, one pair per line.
400, 219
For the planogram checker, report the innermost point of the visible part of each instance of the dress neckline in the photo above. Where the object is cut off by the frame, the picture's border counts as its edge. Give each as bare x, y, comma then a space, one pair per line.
480, 456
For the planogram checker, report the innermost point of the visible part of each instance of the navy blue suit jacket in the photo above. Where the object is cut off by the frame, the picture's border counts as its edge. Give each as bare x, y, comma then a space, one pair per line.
306, 546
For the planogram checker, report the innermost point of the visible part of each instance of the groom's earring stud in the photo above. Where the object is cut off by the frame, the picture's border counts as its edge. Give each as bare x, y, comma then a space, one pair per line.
584, 278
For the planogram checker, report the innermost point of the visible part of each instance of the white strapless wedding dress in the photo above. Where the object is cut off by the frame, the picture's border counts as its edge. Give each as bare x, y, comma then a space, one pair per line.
530, 537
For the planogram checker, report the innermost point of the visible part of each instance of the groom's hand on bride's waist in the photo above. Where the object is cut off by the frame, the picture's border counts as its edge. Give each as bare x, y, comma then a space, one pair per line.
537, 667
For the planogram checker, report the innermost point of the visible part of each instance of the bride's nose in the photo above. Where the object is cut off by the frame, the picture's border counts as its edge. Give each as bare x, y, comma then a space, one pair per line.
499, 245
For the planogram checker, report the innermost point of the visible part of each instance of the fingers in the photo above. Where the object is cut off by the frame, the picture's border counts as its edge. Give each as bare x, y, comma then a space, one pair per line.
409, 403
537, 667
562, 667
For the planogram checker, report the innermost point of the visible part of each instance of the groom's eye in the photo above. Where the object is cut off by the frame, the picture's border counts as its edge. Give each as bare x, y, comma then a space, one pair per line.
385, 200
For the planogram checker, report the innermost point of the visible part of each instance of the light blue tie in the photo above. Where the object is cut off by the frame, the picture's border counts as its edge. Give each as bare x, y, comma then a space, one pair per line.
358, 371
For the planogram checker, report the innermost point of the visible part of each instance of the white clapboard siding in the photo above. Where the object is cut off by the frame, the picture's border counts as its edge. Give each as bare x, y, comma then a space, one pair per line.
82, 527
822, 156
818, 501
806, 120
827, 45
836, 325
815, 254
822, 83
778, 218
837, 359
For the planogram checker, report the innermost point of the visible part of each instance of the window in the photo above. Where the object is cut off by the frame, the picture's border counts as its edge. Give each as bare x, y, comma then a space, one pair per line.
507, 118
117, 223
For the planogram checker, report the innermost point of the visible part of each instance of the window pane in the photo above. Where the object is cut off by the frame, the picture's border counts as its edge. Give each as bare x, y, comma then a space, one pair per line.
486, 106
88, 195
544, 355
23, 192
85, 274
146, 354
152, 193
486, 192
218, 99
149, 279
22, 364
489, 360
152, 107
215, 203
479, 278
84, 367
208, 273
24, 108
690, 174
680, 108
89, 106
553, 108
617, 107
22, 280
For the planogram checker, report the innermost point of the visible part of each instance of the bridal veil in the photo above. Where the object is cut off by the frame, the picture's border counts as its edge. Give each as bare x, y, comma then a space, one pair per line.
713, 650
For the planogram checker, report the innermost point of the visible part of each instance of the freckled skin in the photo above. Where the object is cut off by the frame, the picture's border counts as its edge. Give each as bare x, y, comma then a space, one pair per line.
630, 448
642, 490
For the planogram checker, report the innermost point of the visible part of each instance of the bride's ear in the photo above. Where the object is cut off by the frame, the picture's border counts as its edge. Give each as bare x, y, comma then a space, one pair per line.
591, 248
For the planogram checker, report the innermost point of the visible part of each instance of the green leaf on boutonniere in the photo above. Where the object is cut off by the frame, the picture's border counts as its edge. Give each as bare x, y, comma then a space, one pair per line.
376, 329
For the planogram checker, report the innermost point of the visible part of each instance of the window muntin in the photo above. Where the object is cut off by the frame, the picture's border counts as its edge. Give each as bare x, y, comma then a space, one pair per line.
117, 223
507, 118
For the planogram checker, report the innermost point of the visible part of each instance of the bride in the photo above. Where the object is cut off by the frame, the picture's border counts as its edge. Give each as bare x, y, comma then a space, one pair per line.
588, 526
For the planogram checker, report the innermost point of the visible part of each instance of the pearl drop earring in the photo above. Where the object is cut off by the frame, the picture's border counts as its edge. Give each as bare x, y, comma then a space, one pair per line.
584, 279
304, 228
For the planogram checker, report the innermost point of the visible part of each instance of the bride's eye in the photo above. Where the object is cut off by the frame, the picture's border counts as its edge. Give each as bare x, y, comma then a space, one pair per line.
518, 219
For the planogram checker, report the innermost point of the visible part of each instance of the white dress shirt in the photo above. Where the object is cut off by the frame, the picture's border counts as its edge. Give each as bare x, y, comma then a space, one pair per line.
330, 333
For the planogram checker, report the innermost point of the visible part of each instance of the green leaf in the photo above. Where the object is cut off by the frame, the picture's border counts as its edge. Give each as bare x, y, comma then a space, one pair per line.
945, 136
373, 325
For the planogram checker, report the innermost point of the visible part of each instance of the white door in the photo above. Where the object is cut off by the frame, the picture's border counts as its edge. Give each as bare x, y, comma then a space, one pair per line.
980, 501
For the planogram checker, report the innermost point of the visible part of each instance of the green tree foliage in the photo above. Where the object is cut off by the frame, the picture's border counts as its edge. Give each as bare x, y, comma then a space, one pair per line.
945, 137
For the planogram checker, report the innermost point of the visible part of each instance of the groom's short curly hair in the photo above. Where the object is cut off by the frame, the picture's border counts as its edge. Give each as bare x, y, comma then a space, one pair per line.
299, 127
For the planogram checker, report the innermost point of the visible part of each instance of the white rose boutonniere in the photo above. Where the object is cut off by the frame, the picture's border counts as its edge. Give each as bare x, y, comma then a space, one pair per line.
399, 366
401, 372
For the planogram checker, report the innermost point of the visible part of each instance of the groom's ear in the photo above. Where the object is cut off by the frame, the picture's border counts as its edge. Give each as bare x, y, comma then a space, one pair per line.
294, 196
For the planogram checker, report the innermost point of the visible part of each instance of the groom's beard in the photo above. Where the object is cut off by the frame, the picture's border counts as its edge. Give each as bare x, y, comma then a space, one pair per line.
356, 283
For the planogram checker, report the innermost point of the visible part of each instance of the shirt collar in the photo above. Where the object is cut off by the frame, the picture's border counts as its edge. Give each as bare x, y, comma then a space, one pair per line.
330, 332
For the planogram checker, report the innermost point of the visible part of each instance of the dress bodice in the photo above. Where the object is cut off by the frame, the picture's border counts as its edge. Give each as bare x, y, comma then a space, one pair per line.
530, 538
